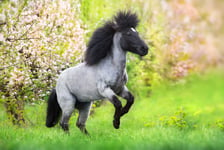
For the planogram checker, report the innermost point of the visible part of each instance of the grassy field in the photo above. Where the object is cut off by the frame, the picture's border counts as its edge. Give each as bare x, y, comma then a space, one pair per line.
185, 115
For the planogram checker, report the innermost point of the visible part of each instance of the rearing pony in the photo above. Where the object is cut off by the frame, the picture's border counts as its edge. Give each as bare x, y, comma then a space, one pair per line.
102, 74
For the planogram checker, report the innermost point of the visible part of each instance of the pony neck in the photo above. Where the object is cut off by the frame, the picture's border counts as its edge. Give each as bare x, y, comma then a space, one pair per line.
118, 54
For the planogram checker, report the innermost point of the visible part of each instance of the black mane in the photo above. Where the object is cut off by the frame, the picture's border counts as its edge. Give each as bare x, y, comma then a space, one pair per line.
126, 19
102, 39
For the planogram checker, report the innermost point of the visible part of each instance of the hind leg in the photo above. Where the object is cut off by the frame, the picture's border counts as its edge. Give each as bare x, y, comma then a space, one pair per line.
67, 104
84, 109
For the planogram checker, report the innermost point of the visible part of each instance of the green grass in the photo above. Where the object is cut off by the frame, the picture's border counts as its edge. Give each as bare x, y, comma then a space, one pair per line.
175, 116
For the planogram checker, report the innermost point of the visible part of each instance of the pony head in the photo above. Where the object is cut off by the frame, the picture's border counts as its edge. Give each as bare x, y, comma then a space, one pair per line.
101, 41
126, 22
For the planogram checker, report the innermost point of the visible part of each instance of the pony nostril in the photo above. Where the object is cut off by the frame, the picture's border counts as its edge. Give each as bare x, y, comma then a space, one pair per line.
145, 48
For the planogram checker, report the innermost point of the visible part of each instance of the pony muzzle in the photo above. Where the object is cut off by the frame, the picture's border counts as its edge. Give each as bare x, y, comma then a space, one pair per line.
143, 50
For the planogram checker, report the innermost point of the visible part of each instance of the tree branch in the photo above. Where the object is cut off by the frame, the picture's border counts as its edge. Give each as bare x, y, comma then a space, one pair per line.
18, 39
2, 23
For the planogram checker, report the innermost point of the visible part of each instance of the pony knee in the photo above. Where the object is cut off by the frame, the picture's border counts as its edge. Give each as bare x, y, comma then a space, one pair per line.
116, 102
131, 98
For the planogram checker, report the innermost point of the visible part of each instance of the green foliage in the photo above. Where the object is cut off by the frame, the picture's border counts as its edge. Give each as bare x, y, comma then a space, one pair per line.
179, 120
220, 124
95, 12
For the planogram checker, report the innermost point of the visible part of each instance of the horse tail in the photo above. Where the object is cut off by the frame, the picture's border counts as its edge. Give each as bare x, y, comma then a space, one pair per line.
53, 110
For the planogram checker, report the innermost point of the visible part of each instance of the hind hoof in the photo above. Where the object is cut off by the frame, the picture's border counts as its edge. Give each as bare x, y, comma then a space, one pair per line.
116, 124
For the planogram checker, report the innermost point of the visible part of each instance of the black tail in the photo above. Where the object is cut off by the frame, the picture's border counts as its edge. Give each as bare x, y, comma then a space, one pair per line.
53, 110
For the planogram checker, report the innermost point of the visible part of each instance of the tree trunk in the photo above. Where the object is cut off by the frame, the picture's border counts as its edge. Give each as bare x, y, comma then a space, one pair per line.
15, 111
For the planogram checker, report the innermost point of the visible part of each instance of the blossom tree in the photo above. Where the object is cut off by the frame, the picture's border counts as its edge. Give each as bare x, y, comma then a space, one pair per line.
38, 39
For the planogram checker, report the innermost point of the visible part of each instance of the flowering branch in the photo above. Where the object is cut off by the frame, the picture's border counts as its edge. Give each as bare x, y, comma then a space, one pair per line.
17, 39
2, 23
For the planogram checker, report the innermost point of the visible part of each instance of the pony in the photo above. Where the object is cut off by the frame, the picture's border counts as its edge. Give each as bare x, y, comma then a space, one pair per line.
102, 74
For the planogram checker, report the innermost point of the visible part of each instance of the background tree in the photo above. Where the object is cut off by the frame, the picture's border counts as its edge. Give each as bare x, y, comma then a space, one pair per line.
38, 40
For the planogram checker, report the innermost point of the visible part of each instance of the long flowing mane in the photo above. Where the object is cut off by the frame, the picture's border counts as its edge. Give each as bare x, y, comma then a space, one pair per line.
101, 41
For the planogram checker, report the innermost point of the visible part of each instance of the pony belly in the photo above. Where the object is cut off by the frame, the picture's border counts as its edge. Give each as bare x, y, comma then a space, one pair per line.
88, 97
85, 92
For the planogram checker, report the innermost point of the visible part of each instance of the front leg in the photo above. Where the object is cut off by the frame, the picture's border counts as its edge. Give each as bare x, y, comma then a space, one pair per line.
109, 93
130, 100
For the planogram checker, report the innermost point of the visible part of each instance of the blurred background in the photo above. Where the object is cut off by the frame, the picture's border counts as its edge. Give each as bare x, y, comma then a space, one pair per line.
41, 38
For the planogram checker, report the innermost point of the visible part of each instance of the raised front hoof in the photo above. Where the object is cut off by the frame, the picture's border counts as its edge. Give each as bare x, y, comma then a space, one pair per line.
116, 124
